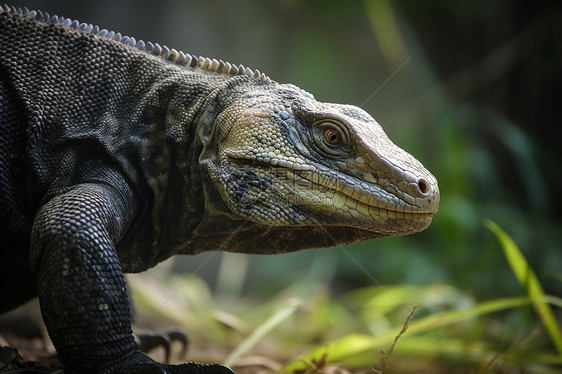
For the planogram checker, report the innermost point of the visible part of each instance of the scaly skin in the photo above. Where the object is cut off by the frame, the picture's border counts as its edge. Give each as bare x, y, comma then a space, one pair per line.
118, 154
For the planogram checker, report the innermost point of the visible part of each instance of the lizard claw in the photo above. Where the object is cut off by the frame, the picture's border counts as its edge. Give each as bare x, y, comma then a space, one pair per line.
147, 342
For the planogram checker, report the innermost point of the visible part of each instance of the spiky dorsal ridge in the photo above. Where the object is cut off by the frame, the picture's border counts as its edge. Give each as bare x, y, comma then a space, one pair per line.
172, 55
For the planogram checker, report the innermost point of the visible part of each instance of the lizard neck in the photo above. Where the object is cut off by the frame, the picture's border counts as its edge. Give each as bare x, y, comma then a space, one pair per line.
170, 123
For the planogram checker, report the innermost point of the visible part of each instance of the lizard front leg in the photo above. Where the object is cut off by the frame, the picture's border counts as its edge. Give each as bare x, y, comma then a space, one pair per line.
82, 289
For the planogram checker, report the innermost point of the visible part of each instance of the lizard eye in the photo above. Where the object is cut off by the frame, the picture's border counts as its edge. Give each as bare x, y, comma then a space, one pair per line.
332, 136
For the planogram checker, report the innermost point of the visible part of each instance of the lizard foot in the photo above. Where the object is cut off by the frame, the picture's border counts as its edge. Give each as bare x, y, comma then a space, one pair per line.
187, 368
147, 342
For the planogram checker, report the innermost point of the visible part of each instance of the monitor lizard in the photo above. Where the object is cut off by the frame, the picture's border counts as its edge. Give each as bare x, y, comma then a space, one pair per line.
117, 154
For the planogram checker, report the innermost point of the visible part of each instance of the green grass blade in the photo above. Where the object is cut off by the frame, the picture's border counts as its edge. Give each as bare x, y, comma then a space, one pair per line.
351, 345
528, 279
262, 330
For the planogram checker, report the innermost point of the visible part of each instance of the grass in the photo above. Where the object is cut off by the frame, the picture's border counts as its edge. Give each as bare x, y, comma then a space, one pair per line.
451, 333
528, 279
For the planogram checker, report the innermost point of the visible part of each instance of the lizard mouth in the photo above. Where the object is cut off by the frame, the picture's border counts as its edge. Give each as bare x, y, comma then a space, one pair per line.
362, 211
349, 201
351, 192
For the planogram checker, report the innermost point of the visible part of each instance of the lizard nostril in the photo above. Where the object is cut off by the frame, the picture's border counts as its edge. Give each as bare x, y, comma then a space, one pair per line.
423, 186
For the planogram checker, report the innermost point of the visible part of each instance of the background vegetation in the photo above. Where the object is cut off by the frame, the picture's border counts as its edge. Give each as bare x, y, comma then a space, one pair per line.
473, 90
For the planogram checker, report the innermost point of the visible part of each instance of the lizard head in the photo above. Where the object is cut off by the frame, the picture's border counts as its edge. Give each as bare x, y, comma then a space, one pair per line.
304, 169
